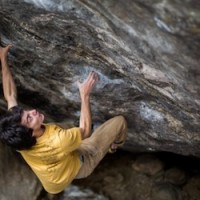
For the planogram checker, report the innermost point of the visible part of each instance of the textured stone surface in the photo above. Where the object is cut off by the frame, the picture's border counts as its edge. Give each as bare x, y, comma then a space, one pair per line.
146, 53
116, 178
17, 181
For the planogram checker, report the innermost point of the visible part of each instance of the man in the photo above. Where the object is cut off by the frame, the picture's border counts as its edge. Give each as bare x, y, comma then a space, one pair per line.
57, 155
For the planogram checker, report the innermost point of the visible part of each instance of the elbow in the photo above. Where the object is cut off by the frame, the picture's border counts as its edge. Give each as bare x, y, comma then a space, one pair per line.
85, 133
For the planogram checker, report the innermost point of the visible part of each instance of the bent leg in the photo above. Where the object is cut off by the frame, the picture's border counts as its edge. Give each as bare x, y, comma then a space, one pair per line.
94, 148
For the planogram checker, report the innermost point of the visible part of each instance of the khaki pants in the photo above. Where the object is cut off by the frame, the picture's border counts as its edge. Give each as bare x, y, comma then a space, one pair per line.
97, 145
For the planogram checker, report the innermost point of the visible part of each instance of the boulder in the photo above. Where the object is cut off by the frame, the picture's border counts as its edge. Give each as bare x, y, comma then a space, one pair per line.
146, 53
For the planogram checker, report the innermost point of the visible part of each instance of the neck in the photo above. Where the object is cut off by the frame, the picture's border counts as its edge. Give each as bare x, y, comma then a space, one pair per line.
39, 132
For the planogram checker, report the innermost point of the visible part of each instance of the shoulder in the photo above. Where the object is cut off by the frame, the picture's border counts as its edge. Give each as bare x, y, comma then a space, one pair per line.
50, 126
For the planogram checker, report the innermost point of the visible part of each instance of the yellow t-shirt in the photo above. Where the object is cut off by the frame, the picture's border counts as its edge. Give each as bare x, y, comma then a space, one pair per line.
54, 158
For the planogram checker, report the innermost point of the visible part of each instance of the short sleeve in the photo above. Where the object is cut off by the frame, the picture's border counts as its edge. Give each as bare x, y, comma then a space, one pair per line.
70, 139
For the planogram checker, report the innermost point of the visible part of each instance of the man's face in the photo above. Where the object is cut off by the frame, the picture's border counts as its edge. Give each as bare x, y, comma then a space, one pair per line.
32, 119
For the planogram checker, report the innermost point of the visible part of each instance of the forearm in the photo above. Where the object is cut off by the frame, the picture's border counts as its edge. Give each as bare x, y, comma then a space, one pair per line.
85, 117
85, 89
9, 87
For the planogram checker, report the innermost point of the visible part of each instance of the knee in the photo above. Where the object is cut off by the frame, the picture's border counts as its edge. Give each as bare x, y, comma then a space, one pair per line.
121, 119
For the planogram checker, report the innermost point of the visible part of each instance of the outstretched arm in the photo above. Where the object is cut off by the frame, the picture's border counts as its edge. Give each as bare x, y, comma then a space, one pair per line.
9, 87
85, 89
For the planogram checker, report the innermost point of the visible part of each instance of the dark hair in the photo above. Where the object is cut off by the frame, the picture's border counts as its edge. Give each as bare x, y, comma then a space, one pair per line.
13, 133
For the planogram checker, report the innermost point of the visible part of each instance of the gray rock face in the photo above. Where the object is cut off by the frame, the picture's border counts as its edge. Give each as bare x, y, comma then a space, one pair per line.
126, 176
17, 181
146, 53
